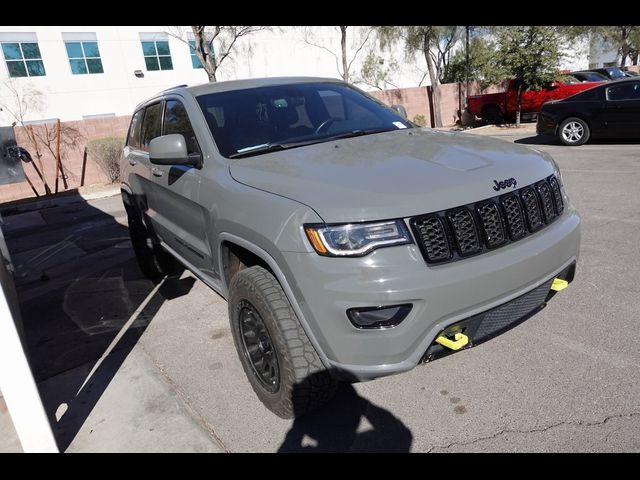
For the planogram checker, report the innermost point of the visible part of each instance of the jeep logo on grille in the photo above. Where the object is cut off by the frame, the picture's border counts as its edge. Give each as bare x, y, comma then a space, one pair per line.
509, 182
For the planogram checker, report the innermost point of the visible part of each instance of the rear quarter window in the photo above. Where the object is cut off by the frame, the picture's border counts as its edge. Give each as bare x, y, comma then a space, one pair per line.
133, 138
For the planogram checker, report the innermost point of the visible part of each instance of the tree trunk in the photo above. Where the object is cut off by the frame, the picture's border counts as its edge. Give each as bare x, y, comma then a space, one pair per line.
343, 45
519, 109
435, 86
205, 55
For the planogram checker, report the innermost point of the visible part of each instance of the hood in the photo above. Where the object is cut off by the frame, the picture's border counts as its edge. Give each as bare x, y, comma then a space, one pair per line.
393, 174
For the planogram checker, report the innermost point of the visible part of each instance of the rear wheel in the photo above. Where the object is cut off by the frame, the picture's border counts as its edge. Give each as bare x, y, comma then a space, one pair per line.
574, 131
152, 259
280, 362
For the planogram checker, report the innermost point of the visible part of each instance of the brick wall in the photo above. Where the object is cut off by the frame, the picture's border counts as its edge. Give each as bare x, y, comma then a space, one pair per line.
71, 157
417, 100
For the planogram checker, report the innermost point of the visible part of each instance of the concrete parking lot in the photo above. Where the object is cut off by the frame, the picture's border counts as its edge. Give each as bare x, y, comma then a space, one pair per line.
127, 365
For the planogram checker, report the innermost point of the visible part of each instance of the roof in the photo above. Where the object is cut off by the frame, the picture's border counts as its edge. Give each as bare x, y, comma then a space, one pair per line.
216, 87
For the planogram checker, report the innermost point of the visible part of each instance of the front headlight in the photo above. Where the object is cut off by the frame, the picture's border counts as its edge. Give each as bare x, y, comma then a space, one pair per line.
356, 239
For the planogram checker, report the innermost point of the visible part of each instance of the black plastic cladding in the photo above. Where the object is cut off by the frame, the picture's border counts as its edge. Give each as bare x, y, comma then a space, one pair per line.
461, 232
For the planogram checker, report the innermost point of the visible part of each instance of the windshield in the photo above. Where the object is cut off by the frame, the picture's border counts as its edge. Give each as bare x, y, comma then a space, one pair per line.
616, 73
254, 121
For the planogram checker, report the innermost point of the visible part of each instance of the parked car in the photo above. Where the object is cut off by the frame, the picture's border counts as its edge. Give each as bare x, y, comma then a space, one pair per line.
631, 73
589, 76
612, 73
349, 243
609, 110
498, 107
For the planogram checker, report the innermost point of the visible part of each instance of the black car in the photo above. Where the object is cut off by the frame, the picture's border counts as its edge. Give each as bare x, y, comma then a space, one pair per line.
613, 73
608, 110
589, 76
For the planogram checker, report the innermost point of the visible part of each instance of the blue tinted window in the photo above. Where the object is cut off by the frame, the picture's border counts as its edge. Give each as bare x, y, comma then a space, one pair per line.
302, 113
23, 59
157, 55
195, 61
84, 57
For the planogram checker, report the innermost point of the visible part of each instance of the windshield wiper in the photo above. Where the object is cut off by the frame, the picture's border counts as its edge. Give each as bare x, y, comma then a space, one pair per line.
356, 133
272, 147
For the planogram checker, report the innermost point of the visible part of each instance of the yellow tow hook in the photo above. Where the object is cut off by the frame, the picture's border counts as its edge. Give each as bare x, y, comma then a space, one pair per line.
559, 284
459, 341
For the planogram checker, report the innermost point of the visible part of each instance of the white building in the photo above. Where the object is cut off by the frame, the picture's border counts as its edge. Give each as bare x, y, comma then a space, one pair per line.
93, 71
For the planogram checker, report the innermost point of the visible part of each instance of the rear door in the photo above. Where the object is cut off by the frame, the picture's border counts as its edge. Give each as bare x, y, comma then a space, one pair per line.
136, 163
178, 218
622, 109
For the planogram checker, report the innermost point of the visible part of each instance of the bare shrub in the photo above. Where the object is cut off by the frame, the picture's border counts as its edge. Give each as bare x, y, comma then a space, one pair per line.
107, 153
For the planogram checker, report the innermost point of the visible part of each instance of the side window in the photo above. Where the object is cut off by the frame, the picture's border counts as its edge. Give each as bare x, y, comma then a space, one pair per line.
151, 125
628, 91
176, 120
133, 139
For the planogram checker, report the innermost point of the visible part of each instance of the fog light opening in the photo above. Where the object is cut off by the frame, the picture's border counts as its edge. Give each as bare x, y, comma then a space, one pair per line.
385, 316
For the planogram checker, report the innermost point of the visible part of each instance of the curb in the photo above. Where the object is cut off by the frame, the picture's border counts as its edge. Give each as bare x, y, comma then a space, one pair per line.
64, 198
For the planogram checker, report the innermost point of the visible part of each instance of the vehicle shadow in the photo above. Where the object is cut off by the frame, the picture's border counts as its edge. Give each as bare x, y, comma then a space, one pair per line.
348, 423
84, 303
552, 140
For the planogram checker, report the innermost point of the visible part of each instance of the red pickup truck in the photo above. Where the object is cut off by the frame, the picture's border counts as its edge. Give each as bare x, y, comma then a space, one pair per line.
496, 107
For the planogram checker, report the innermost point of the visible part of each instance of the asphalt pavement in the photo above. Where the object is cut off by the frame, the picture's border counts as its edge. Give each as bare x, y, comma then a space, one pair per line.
126, 365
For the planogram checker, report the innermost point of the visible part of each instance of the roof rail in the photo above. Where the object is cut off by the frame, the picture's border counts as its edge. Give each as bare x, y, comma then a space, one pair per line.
177, 86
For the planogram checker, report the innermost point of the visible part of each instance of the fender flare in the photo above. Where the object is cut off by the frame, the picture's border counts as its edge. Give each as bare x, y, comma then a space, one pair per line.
280, 276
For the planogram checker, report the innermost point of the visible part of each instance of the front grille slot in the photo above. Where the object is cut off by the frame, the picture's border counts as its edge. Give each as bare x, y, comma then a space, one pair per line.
450, 235
464, 231
547, 202
515, 216
492, 224
557, 196
434, 238
532, 208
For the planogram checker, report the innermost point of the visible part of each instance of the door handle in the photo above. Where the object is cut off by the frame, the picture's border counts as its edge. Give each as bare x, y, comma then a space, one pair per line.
132, 162
157, 172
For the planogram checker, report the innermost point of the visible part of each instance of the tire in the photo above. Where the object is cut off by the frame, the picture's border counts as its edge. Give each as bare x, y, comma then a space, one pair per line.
574, 131
152, 259
290, 380
492, 114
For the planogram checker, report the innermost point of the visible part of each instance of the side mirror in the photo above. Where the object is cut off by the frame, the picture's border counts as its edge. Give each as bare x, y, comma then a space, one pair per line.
400, 110
171, 150
554, 84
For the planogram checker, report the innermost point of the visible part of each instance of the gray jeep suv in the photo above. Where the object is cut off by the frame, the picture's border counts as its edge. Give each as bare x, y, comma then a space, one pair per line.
349, 243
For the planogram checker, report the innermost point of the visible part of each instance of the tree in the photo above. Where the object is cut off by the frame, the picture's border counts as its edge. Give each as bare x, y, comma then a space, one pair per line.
433, 43
377, 72
345, 60
625, 39
483, 67
20, 99
215, 44
531, 54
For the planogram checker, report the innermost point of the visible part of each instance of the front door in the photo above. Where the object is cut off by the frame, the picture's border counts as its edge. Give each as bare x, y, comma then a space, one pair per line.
177, 217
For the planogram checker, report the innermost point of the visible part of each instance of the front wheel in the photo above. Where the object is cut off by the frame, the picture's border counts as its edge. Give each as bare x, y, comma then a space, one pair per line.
574, 131
280, 362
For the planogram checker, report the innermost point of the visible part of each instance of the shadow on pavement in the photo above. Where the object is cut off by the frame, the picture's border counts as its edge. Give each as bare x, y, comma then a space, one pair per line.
84, 303
334, 428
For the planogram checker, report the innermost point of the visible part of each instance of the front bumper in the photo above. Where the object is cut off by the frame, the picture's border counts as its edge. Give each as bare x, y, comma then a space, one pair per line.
546, 125
441, 295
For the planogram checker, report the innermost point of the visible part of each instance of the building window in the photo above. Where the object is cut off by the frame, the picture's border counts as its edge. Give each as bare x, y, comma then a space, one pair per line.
195, 61
157, 55
84, 57
23, 59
